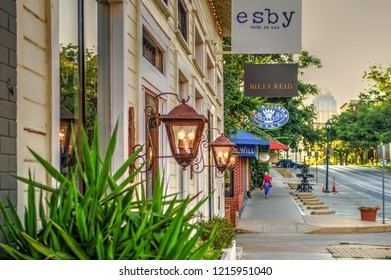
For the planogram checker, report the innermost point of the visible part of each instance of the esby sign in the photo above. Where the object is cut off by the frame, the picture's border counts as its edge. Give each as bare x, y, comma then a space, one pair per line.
266, 26
271, 80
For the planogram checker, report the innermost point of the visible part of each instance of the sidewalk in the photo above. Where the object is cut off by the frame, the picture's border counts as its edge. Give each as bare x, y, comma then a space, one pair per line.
283, 213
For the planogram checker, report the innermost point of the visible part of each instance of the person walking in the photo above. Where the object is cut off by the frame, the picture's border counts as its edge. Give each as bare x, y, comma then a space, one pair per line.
267, 184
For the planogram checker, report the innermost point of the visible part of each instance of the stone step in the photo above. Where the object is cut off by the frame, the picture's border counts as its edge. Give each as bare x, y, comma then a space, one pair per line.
303, 194
317, 207
322, 212
303, 199
309, 199
314, 203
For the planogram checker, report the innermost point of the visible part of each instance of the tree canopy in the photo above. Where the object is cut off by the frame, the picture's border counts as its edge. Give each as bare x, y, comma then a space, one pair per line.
367, 123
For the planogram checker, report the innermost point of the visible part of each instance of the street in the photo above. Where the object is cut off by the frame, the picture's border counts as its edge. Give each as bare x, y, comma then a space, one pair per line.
362, 184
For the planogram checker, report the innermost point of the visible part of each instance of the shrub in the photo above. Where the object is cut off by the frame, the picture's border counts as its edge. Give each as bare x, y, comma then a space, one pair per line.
114, 219
225, 233
258, 169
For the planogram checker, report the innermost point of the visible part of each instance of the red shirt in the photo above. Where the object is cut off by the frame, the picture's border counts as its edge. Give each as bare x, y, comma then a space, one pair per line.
267, 178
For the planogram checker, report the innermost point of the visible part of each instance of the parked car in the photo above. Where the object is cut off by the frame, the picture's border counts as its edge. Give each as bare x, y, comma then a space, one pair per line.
288, 163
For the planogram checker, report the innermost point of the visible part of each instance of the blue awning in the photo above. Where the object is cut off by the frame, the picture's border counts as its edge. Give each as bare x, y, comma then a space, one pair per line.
248, 151
245, 138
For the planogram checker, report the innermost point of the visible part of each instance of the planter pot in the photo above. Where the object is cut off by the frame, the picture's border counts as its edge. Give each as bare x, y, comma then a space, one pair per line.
368, 214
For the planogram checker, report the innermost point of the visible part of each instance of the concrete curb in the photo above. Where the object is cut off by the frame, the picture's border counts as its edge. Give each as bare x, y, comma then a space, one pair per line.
349, 229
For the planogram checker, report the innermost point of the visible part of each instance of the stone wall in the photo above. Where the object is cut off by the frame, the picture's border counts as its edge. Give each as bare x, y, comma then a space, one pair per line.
8, 96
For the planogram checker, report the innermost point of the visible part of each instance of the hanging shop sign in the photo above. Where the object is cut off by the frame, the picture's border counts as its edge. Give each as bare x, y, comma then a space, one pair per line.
268, 157
264, 157
248, 151
270, 117
266, 26
270, 80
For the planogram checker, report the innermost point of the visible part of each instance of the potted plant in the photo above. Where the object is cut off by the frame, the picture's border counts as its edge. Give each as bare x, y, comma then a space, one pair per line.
368, 213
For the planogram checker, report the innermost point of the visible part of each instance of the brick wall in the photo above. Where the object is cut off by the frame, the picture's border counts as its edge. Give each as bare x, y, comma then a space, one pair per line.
7, 100
235, 203
230, 211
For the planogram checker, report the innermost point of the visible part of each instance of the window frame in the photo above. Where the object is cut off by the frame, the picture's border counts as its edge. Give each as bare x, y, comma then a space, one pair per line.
159, 54
183, 27
199, 57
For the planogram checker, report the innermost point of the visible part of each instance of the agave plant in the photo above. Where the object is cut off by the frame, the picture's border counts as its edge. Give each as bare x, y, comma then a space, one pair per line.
113, 219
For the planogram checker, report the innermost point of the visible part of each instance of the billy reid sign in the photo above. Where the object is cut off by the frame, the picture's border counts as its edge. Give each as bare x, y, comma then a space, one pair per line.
266, 26
270, 80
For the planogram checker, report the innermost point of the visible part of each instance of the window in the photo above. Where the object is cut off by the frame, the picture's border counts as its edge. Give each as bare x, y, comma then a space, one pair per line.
219, 89
210, 72
152, 52
182, 19
183, 86
199, 49
229, 184
78, 75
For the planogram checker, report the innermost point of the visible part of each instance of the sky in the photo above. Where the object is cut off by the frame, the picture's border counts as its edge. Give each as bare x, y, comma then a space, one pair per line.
348, 36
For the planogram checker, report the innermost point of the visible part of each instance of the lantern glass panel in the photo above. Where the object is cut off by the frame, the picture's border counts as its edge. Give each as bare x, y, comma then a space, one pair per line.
184, 138
222, 155
234, 159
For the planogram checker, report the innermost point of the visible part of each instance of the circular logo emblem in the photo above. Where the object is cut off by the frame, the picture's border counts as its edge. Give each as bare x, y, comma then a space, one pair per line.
264, 157
271, 117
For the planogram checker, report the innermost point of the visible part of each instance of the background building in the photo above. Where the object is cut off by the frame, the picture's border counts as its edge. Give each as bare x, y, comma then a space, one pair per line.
346, 105
326, 107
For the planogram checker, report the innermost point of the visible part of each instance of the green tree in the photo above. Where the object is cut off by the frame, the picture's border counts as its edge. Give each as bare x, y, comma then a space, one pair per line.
378, 96
379, 82
365, 124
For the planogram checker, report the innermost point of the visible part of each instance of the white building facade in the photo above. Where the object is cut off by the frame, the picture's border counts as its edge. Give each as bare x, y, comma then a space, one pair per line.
141, 48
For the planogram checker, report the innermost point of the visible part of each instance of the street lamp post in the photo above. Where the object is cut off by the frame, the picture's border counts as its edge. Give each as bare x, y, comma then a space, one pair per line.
384, 162
328, 128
